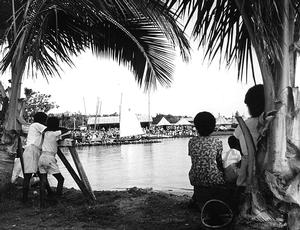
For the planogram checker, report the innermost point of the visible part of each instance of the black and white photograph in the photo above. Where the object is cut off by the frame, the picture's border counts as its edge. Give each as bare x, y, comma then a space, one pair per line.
150, 114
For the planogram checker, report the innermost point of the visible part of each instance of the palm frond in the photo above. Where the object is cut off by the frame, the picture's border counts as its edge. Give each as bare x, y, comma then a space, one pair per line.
5, 16
221, 28
153, 11
51, 31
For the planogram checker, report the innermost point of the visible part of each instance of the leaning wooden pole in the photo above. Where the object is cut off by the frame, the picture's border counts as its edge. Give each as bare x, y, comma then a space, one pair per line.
80, 170
80, 184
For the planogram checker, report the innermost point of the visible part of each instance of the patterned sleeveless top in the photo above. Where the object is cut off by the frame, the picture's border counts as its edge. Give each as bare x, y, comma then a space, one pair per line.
203, 152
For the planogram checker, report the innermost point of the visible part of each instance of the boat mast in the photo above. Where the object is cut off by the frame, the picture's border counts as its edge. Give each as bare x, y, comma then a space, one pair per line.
97, 109
100, 106
149, 116
120, 109
74, 123
83, 121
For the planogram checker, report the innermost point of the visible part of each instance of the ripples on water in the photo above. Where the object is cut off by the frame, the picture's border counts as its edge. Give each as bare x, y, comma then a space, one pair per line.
161, 166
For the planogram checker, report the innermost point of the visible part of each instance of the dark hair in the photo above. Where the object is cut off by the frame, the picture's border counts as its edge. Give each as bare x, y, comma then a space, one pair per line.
205, 123
40, 117
255, 100
233, 142
52, 124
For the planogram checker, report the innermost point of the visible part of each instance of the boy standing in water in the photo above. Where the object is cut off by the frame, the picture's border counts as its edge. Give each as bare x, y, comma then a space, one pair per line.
47, 162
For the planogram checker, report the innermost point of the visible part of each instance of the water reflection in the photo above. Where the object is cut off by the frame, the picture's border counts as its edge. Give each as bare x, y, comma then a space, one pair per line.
162, 166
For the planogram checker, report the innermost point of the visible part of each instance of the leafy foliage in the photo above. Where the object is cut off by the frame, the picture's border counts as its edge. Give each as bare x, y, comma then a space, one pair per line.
131, 32
231, 28
6, 8
72, 120
37, 102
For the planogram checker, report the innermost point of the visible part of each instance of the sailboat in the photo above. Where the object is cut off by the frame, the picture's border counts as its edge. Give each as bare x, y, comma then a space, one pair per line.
129, 123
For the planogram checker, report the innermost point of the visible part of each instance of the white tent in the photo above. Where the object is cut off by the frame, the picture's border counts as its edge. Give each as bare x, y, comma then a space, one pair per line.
183, 121
163, 122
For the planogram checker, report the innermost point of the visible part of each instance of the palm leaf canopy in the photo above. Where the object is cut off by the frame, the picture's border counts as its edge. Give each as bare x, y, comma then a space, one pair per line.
5, 14
230, 28
130, 32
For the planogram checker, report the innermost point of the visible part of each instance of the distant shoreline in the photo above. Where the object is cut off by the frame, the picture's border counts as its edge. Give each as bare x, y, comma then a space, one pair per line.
145, 140
223, 133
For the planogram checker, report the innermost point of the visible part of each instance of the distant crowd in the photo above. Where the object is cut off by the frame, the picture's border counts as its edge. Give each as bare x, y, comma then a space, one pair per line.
111, 134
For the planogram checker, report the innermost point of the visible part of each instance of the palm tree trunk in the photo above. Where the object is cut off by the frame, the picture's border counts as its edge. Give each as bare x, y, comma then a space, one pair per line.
279, 95
6, 166
278, 131
12, 127
284, 132
11, 122
294, 123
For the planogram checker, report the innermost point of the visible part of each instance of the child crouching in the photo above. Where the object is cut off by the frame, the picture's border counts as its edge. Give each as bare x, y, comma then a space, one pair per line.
231, 160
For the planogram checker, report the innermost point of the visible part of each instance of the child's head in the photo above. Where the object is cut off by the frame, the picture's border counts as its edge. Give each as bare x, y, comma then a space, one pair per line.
205, 123
52, 124
40, 117
233, 142
255, 100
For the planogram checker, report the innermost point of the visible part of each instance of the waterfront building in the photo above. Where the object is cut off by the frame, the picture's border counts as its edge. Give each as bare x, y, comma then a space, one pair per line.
107, 122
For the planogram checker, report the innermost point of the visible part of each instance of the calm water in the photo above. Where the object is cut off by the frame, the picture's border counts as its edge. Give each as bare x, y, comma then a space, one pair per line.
161, 166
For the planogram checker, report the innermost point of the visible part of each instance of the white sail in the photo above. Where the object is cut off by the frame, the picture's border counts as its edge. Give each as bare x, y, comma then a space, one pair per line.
129, 123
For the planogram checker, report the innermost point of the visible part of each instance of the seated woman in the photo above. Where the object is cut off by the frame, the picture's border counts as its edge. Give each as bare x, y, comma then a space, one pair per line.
204, 175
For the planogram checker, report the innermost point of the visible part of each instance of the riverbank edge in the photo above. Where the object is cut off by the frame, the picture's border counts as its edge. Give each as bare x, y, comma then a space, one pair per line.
133, 208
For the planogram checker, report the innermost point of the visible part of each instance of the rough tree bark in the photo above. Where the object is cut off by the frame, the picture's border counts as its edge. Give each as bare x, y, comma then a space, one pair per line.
12, 128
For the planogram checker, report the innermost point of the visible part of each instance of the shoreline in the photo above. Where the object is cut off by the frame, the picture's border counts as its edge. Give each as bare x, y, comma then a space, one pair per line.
133, 209
176, 192
150, 140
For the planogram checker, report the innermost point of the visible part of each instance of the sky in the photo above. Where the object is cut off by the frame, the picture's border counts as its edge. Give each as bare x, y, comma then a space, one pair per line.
197, 86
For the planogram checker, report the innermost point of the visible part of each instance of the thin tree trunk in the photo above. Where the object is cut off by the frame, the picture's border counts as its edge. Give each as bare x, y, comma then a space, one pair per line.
11, 122
278, 130
12, 128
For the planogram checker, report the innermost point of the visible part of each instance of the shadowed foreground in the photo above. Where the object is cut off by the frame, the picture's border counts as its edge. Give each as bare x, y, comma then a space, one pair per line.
131, 209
